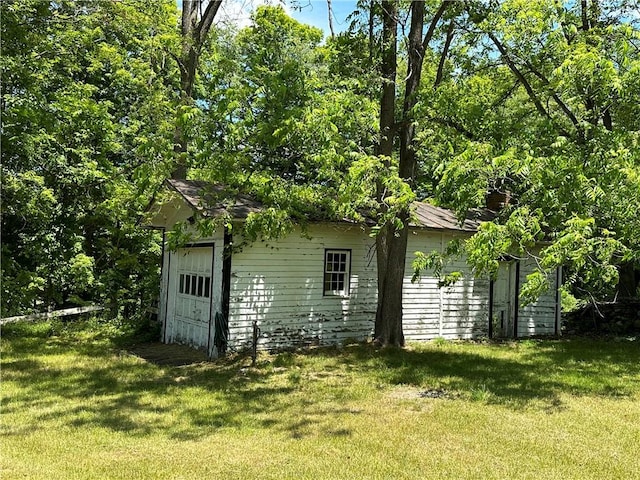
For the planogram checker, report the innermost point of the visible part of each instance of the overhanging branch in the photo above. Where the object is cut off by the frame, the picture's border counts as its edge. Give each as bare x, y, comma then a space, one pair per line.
434, 23
207, 19
527, 85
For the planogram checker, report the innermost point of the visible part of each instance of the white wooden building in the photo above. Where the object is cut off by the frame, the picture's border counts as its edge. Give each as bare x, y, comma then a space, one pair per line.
319, 287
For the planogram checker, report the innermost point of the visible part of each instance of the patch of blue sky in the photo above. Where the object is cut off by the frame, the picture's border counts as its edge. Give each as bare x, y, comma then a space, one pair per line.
237, 13
316, 13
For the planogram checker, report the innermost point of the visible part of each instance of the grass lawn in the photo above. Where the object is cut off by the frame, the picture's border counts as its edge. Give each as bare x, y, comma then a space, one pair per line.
77, 405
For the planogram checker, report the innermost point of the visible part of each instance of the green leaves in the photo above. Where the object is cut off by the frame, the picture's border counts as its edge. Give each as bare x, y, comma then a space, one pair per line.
279, 126
590, 255
436, 263
542, 100
85, 116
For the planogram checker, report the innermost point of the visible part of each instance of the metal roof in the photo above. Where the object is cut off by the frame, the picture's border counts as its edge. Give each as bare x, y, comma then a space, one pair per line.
438, 218
213, 200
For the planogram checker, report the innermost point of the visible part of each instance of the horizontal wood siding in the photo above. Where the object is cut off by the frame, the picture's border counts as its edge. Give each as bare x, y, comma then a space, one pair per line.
421, 300
454, 312
279, 284
538, 318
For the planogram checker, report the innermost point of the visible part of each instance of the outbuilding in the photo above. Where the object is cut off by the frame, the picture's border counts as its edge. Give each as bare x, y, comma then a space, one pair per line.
319, 286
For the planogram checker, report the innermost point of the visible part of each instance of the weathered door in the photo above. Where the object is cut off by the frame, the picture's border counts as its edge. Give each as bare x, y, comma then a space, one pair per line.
189, 316
504, 301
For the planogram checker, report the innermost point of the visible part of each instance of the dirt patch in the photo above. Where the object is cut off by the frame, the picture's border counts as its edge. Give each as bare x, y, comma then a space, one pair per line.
437, 393
168, 355
404, 392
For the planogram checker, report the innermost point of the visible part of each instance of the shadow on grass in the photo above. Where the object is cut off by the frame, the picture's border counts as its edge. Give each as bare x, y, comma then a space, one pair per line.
511, 373
60, 380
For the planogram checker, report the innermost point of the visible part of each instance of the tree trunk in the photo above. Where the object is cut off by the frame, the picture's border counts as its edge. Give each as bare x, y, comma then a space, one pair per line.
194, 30
385, 149
389, 312
391, 242
188, 63
628, 281
180, 146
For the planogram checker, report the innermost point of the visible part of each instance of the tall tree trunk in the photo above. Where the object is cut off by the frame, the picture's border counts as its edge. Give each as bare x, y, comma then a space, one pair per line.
194, 29
391, 240
385, 149
389, 310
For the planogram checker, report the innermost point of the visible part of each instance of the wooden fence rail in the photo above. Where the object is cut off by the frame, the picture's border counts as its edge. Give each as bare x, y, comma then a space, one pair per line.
54, 314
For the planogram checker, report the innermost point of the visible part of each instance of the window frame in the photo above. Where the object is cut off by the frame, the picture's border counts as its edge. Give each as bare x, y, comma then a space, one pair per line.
194, 285
346, 291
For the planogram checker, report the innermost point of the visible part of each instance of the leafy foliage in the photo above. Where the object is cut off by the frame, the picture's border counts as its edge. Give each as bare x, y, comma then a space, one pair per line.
84, 96
540, 99
280, 125
536, 98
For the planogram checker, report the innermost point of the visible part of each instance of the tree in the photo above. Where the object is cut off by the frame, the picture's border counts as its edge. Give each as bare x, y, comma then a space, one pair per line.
194, 28
280, 122
538, 98
85, 99
391, 239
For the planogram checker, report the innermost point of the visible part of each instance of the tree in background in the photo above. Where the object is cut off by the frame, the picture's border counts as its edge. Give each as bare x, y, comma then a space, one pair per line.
279, 122
87, 89
396, 182
196, 21
541, 99
537, 97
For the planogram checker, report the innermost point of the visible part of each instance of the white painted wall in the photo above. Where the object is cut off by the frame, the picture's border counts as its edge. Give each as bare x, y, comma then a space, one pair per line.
454, 312
537, 318
279, 283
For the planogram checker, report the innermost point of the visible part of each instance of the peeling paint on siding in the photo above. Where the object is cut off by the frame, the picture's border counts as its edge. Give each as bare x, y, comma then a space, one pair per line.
280, 285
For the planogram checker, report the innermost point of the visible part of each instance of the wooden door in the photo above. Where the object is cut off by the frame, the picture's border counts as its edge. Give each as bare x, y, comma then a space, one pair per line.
190, 292
504, 301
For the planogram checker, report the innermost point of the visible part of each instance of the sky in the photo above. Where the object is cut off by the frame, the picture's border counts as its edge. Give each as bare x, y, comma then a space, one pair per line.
312, 12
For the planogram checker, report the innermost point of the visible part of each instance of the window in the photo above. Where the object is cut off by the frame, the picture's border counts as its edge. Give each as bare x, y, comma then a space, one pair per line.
195, 285
337, 264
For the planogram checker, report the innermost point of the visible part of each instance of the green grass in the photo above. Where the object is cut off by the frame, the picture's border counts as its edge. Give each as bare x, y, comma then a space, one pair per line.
77, 405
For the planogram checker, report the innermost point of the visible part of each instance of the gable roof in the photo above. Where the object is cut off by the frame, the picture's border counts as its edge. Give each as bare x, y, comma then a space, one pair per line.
212, 200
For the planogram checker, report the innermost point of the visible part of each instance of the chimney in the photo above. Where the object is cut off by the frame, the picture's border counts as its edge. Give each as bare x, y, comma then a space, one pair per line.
498, 196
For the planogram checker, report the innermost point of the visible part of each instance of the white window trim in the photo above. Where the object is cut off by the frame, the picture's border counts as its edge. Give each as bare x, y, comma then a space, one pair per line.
347, 273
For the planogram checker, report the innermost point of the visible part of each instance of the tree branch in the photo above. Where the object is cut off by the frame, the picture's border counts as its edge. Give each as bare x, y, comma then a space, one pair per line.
371, 26
388, 69
434, 23
207, 19
563, 106
606, 120
506, 95
189, 14
330, 12
583, 14
525, 83
458, 127
443, 55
